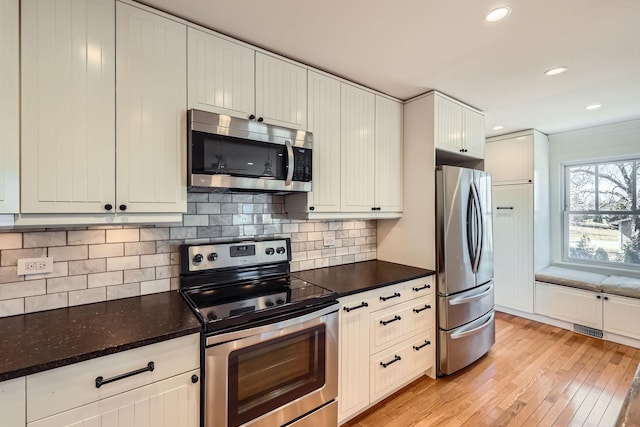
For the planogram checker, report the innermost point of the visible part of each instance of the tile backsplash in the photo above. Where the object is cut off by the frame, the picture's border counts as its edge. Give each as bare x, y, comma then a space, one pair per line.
102, 263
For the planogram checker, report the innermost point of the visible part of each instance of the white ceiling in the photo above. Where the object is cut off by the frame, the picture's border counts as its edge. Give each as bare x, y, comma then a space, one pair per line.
409, 47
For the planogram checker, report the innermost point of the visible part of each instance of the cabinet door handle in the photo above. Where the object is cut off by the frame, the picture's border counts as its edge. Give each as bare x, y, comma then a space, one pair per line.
396, 358
418, 310
386, 322
395, 295
421, 288
100, 381
505, 207
421, 346
362, 305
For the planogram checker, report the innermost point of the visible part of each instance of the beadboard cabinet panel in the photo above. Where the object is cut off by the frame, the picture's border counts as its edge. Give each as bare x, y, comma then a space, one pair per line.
473, 138
221, 75
569, 304
617, 312
68, 106
324, 123
13, 402
281, 92
151, 111
9, 106
388, 155
448, 125
358, 154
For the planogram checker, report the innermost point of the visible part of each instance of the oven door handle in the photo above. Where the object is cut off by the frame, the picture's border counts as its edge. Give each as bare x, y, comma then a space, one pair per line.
290, 163
224, 337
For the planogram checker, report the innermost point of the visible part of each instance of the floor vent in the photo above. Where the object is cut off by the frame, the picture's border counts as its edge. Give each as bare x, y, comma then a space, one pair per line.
587, 330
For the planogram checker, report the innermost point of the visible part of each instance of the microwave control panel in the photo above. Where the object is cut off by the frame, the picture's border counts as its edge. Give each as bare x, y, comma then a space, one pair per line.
302, 164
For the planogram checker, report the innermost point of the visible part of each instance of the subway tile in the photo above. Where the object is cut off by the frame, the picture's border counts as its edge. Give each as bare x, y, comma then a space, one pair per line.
45, 302
69, 253
242, 198
372, 255
335, 225
10, 256
348, 225
10, 274
139, 248
315, 235
220, 219
167, 271
60, 269
371, 240
306, 227
197, 197
195, 220
241, 219
65, 284
328, 253
107, 250
211, 231
250, 208
11, 307
295, 265
175, 283
230, 208
87, 266
191, 209
87, 296
299, 237
182, 233
360, 224
320, 226
333, 261
354, 233
262, 198
253, 230
314, 254
123, 291
10, 241
348, 259
86, 237
361, 257
299, 256
147, 234
166, 246
175, 258
220, 198
321, 262
272, 228
155, 286
360, 241
44, 239
330, 234
22, 289
155, 260
262, 219
307, 265
123, 263
354, 250
230, 231
348, 242
342, 234
290, 228
208, 208
342, 251
139, 275
123, 235
104, 279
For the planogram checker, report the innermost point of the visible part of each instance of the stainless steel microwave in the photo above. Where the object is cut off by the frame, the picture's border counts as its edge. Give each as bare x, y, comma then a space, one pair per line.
231, 154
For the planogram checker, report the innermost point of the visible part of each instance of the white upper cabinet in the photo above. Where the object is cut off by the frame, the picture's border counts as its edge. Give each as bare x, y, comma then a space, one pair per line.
151, 106
458, 128
388, 154
9, 106
281, 92
68, 106
229, 78
324, 123
510, 160
221, 75
358, 153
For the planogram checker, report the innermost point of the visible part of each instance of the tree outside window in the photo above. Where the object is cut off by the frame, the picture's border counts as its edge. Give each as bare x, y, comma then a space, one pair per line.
602, 213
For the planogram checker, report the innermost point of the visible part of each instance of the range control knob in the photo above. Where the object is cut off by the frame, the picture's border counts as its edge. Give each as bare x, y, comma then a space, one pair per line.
280, 250
212, 256
269, 303
279, 301
269, 251
198, 259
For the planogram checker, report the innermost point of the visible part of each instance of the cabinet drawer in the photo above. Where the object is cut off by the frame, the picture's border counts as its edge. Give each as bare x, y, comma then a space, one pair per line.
61, 389
395, 324
388, 296
420, 287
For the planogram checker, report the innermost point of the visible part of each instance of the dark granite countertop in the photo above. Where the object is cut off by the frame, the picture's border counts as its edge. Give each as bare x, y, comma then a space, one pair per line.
36, 342
630, 412
362, 276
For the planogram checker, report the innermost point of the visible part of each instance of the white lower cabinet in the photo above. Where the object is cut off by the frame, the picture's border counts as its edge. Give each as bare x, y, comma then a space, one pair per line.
617, 315
13, 402
569, 304
163, 390
386, 341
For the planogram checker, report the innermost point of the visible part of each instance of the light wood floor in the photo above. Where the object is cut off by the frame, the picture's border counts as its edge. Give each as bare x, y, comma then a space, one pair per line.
535, 375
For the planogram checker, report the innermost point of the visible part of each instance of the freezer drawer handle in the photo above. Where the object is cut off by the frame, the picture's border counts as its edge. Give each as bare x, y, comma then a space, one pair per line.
418, 310
363, 305
100, 381
395, 295
386, 322
396, 358
421, 288
421, 346
459, 301
458, 335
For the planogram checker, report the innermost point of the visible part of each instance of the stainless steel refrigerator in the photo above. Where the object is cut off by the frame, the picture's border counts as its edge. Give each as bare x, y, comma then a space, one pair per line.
464, 263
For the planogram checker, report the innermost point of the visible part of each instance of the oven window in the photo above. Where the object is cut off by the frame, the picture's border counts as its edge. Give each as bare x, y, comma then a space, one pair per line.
268, 375
226, 155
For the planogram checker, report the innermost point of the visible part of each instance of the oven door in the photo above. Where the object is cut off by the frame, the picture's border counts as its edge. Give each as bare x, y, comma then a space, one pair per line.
272, 374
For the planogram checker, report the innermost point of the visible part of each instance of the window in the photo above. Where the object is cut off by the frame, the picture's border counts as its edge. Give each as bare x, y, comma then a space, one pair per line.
602, 213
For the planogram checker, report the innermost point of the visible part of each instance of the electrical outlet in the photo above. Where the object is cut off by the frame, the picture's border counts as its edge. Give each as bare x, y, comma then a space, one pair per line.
35, 266
329, 241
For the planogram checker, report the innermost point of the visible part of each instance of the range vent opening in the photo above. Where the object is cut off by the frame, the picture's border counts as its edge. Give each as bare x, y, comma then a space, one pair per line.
587, 330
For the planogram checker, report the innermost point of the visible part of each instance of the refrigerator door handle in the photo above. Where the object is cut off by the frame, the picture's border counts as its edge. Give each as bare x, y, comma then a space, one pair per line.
480, 229
470, 231
474, 331
464, 300
478, 226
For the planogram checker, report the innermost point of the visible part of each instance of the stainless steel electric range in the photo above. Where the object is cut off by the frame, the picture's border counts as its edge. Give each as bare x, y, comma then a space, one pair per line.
270, 340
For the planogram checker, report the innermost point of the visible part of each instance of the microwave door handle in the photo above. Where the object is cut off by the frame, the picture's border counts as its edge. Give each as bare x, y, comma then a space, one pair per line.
290, 160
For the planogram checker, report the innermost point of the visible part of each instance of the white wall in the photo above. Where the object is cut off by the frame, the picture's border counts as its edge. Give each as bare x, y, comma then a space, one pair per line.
601, 142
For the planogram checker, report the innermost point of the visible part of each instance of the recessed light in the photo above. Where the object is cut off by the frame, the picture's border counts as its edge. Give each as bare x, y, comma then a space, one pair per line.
498, 14
498, 127
555, 71
593, 106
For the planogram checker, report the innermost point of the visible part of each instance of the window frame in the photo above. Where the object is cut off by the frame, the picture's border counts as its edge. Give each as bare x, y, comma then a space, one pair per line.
567, 212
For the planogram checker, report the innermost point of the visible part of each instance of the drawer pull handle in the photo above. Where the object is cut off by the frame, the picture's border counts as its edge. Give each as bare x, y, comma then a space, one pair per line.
100, 381
421, 288
395, 295
418, 310
386, 322
418, 347
396, 358
363, 305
